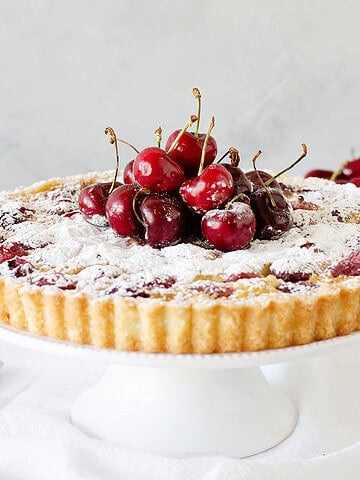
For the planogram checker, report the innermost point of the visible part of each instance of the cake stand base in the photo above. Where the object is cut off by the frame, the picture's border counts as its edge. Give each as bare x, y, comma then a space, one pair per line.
185, 412
184, 405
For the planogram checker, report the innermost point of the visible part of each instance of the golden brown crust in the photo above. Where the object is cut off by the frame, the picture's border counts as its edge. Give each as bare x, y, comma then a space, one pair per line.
151, 325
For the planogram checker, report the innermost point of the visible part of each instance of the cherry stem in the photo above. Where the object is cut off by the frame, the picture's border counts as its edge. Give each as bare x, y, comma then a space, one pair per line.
113, 140
188, 124
256, 156
158, 135
304, 147
240, 196
120, 140
141, 190
234, 156
225, 155
197, 95
203, 151
338, 171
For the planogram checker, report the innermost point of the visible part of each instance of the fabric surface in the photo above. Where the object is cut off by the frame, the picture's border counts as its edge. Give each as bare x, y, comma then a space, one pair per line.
38, 441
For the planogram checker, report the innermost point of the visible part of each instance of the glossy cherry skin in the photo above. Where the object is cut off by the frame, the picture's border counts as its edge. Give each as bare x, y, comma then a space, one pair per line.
128, 173
241, 183
156, 170
213, 188
189, 149
229, 230
352, 169
120, 211
163, 217
355, 181
271, 222
253, 176
93, 198
326, 174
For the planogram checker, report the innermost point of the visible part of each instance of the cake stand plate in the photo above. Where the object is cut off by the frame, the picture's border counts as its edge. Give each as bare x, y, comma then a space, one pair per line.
184, 405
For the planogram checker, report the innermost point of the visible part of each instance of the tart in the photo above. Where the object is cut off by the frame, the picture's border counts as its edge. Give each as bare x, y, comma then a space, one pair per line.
65, 278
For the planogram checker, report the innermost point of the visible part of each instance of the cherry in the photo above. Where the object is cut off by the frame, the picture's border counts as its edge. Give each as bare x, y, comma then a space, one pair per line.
355, 180
93, 198
241, 183
253, 176
12, 250
163, 219
351, 169
292, 277
272, 212
210, 190
156, 170
120, 211
325, 174
229, 230
188, 151
349, 266
186, 147
128, 174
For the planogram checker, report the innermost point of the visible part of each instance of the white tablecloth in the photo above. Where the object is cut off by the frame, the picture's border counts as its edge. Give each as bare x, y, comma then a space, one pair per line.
38, 441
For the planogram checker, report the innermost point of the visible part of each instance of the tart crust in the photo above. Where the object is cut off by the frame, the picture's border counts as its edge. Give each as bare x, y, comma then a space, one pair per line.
152, 325
270, 319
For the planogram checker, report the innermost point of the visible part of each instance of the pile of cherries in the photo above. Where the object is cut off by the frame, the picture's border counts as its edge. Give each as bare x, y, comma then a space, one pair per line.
349, 172
181, 194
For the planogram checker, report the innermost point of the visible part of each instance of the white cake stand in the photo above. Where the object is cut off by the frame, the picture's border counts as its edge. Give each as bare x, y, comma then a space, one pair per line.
184, 405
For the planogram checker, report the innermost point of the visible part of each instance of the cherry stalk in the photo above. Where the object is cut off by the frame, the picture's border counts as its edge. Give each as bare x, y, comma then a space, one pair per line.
203, 152
197, 95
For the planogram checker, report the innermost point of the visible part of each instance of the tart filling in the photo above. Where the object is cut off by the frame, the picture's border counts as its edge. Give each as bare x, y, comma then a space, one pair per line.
181, 298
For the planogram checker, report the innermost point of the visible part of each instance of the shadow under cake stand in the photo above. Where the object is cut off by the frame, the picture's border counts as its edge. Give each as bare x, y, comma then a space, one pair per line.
184, 405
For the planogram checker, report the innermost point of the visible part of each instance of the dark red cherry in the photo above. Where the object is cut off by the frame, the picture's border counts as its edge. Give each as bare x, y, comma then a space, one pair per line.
340, 177
213, 188
271, 221
163, 218
156, 170
188, 151
120, 211
128, 173
325, 174
92, 199
241, 183
229, 230
352, 169
252, 175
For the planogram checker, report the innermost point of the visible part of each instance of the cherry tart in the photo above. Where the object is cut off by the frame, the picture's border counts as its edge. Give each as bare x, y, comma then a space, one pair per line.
162, 290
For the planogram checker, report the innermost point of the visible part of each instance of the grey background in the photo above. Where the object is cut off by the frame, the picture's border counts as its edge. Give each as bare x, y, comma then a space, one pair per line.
274, 74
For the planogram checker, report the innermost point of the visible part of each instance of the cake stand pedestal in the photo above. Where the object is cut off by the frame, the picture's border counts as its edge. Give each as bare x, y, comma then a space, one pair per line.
184, 405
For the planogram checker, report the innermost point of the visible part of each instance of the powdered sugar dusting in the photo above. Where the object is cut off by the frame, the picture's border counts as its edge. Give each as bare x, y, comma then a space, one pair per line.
66, 252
